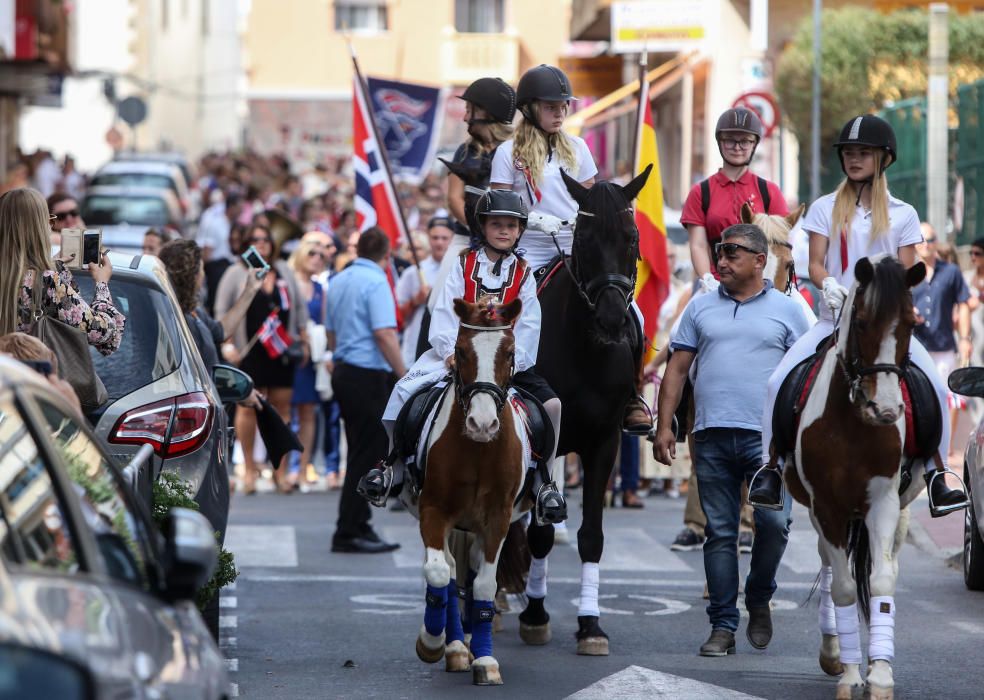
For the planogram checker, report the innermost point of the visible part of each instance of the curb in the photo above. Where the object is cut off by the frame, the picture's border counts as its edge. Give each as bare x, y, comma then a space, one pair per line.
921, 540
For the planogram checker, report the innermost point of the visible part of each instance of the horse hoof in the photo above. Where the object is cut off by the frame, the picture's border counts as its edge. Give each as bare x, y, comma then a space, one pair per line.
592, 646
428, 655
831, 666
457, 658
877, 692
849, 692
535, 635
485, 671
496, 623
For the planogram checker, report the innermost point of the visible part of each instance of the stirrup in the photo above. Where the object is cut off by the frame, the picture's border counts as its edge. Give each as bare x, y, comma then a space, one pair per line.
939, 511
782, 490
553, 515
377, 496
640, 430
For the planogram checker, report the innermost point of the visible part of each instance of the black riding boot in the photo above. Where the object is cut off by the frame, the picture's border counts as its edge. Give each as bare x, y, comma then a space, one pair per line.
378, 484
765, 490
942, 499
551, 507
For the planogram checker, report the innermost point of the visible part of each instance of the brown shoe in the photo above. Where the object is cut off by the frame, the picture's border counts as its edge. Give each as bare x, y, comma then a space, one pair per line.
637, 419
630, 499
759, 627
720, 643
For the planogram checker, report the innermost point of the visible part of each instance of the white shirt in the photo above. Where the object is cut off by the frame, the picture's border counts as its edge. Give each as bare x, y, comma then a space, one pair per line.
406, 287
444, 321
556, 200
213, 231
903, 230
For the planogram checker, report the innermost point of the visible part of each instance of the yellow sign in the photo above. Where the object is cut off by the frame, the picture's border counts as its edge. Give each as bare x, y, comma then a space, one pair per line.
657, 25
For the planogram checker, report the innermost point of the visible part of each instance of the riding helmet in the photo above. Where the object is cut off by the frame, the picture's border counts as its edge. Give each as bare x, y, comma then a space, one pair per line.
868, 130
544, 82
495, 96
739, 119
502, 203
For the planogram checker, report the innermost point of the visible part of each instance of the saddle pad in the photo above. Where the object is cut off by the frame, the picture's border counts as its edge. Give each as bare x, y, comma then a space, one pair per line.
790, 400
539, 429
546, 273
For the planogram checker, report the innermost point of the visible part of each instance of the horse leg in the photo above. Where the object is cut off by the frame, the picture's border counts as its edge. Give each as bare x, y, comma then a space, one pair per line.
884, 521
829, 646
598, 463
455, 653
485, 669
434, 528
850, 686
534, 621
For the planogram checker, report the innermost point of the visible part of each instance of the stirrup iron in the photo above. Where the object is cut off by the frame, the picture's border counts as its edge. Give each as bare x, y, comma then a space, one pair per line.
782, 490
939, 511
380, 499
638, 431
544, 517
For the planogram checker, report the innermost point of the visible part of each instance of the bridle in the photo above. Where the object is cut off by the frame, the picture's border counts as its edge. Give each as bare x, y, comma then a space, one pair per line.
591, 291
854, 370
466, 392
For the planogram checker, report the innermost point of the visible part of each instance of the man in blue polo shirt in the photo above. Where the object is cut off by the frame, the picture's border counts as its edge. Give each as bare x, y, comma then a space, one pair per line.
361, 324
737, 336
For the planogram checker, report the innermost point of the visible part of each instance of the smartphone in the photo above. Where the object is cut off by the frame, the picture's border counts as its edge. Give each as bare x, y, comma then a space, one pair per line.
39, 366
91, 245
71, 245
255, 261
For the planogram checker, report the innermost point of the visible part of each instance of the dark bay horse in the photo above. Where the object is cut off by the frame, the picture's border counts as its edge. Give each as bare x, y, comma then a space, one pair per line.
588, 353
846, 468
476, 466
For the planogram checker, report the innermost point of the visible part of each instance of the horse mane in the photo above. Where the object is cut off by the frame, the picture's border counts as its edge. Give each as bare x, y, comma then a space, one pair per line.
775, 227
607, 199
885, 295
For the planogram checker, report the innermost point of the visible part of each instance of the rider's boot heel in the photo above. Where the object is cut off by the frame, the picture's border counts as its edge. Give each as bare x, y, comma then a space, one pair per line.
942, 499
551, 507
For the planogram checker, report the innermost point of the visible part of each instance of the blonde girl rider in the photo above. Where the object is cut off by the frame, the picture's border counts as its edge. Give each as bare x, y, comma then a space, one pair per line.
860, 219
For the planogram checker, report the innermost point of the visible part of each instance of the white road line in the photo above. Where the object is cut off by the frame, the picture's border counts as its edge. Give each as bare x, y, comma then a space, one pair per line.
232, 665
228, 642
969, 627
262, 545
633, 549
801, 552
411, 554
228, 621
228, 601
233, 690
639, 682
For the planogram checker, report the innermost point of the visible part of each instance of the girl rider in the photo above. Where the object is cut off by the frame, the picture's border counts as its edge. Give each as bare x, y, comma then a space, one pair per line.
530, 165
500, 273
860, 219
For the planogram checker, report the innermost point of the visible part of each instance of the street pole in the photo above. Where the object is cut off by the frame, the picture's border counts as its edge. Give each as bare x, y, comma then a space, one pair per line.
815, 111
936, 118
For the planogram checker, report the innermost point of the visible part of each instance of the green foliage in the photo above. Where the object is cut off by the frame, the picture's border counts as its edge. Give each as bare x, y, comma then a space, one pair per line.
171, 491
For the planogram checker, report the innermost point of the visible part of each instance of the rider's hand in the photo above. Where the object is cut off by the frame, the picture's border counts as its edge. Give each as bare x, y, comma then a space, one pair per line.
710, 284
103, 271
449, 361
664, 446
834, 293
420, 298
544, 222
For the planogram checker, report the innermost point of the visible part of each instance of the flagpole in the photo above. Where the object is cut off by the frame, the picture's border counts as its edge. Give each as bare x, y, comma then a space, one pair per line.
385, 159
641, 113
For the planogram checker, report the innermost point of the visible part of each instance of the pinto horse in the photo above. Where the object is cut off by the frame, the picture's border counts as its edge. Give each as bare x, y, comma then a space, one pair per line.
476, 465
846, 468
588, 353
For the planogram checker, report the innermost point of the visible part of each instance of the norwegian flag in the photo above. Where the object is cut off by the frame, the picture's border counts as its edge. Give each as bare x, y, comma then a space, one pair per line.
274, 336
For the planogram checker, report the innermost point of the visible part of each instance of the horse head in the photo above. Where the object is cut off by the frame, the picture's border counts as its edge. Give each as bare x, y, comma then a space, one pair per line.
605, 250
874, 333
780, 267
483, 355
476, 178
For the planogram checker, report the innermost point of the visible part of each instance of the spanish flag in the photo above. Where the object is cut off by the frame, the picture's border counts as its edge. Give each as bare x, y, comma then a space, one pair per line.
653, 274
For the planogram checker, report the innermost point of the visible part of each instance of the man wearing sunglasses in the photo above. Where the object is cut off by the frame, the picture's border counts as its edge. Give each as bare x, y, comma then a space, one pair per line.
737, 334
64, 212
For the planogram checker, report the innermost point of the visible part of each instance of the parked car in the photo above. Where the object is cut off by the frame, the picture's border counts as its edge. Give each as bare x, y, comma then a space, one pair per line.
96, 603
141, 173
125, 212
168, 157
969, 381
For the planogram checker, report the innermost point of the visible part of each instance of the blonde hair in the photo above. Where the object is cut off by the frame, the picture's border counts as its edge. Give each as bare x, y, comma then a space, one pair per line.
308, 241
22, 346
498, 132
845, 203
531, 145
24, 245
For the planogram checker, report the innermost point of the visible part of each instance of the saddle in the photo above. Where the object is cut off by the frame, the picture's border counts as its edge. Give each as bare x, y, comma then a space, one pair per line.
923, 421
546, 273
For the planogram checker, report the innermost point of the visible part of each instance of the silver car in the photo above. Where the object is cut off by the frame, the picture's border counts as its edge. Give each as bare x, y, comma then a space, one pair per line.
125, 212
94, 602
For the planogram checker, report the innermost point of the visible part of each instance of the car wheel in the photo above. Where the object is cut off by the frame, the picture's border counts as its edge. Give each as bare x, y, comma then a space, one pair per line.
973, 554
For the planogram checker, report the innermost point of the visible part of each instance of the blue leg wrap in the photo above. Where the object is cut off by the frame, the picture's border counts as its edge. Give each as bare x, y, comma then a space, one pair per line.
434, 613
482, 613
452, 628
466, 623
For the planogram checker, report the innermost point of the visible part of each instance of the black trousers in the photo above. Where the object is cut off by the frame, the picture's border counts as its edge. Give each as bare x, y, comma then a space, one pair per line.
361, 395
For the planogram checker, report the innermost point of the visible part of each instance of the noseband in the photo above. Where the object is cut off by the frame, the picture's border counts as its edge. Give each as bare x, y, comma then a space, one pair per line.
854, 370
466, 392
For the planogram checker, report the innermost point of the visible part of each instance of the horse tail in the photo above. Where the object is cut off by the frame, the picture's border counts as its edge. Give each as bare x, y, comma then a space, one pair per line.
514, 560
859, 553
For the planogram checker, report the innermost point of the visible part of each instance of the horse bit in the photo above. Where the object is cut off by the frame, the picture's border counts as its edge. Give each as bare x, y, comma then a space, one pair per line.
854, 372
466, 392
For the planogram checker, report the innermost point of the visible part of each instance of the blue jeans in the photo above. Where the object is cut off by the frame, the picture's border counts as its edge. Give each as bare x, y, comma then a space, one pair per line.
724, 458
629, 463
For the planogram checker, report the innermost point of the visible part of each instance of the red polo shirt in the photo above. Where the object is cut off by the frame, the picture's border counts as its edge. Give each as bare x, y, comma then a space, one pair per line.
725, 205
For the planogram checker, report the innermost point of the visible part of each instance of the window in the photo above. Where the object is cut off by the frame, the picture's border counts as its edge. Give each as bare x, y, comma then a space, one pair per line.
117, 529
479, 16
360, 16
33, 530
164, 15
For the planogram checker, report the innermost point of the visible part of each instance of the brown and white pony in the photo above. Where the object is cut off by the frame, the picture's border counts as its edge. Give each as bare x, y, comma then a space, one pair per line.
476, 465
846, 469
779, 268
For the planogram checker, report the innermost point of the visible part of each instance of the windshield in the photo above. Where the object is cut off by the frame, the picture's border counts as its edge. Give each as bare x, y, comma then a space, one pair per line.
150, 347
135, 179
111, 210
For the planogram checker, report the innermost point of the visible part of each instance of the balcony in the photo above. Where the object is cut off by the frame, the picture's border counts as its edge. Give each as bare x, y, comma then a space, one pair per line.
591, 20
468, 57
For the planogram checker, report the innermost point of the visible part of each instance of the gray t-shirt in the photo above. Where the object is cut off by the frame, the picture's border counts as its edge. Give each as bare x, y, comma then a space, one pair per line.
738, 346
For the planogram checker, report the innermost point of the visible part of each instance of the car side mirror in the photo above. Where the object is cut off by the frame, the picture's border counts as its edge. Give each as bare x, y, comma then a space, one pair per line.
968, 381
233, 384
190, 553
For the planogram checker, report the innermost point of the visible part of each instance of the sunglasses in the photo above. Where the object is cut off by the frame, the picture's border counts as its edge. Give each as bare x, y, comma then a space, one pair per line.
929, 240
312, 253
261, 239
977, 254
731, 250
62, 215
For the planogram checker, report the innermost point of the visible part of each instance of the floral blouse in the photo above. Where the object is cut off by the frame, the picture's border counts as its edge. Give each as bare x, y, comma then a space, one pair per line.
101, 321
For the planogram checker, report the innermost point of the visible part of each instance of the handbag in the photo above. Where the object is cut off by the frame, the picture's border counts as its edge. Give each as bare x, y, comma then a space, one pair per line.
71, 346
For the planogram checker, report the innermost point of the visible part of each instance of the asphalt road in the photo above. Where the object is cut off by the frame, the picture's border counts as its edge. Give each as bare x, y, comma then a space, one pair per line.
302, 622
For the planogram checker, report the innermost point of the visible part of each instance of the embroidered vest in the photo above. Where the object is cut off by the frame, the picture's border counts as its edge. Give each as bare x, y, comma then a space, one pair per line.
474, 288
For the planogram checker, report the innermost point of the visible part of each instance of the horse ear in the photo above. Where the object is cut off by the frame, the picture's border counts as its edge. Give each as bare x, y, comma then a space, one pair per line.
455, 168
510, 312
795, 215
632, 190
578, 191
747, 213
864, 271
463, 309
915, 274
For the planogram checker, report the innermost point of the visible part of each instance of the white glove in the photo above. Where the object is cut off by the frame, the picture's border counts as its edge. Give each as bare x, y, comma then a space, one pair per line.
544, 222
834, 293
710, 284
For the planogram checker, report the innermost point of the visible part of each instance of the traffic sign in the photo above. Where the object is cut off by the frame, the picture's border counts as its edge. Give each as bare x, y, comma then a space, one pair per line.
132, 110
764, 105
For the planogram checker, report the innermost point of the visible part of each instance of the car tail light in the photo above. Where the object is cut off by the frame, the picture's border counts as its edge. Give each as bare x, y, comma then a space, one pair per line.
173, 427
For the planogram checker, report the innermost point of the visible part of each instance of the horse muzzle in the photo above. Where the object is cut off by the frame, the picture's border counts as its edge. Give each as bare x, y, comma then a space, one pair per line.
875, 414
482, 418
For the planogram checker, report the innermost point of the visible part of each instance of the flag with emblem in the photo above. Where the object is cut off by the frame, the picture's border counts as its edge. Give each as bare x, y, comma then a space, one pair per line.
653, 274
273, 336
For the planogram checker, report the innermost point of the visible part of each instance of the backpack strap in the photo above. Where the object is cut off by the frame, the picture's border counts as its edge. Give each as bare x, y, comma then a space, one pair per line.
705, 196
764, 191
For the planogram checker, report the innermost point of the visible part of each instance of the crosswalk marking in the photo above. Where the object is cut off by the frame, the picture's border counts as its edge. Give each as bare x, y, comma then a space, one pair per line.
633, 549
640, 682
969, 627
262, 545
